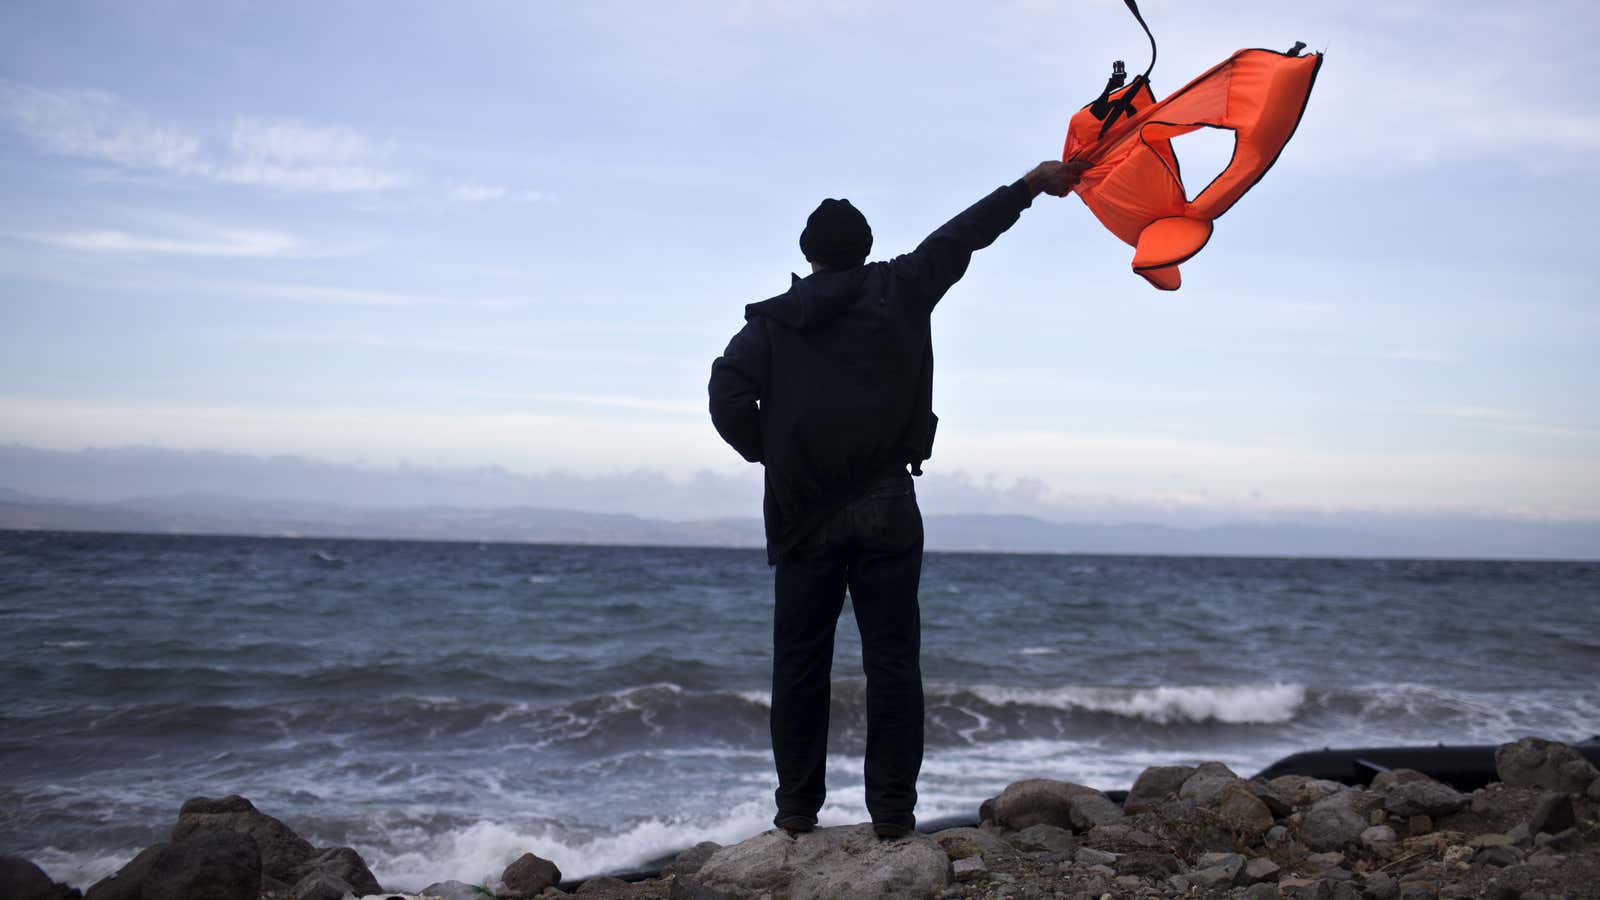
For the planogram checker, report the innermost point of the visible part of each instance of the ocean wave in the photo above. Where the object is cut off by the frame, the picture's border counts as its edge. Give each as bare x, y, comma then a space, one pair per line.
1164, 705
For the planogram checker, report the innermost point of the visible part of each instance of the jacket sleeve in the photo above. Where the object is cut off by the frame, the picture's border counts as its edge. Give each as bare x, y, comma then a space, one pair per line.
738, 378
941, 259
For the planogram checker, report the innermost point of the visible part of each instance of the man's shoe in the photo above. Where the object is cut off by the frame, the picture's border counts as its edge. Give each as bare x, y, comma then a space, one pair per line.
892, 831
794, 823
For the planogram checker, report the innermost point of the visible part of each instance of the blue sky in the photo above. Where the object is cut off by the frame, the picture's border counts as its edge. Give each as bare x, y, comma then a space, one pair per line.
497, 234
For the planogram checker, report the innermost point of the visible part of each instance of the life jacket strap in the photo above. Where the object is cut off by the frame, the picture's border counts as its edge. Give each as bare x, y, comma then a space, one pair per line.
1102, 104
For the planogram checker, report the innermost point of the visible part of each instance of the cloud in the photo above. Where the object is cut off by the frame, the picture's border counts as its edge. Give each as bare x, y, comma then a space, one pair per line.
256, 244
284, 154
95, 125
471, 192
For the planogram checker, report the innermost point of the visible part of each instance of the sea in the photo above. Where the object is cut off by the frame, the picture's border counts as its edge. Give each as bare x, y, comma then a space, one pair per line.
446, 707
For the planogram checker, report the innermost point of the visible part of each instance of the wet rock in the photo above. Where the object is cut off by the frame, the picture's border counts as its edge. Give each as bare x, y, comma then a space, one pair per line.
284, 854
1594, 790
1089, 810
686, 863
1242, 811
319, 885
20, 879
1554, 813
1207, 783
1154, 785
968, 869
530, 874
960, 843
1043, 837
1333, 822
1276, 836
1260, 869
209, 865
829, 862
1536, 762
452, 890
986, 810
603, 886
1038, 801
346, 865
128, 883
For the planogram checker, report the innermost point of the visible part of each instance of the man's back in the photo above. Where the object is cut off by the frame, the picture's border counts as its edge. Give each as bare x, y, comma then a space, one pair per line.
829, 385
843, 367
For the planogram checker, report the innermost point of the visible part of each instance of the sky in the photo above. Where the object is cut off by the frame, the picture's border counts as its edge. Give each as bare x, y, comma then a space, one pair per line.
515, 235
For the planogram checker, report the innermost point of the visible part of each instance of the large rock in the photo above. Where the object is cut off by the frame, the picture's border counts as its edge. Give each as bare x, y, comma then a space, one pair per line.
686, 863
1154, 785
530, 874
961, 843
1535, 762
210, 865
1206, 784
1407, 793
128, 883
1303, 790
1242, 811
319, 885
1038, 801
20, 879
452, 890
1041, 837
1333, 822
1554, 813
284, 854
346, 865
1089, 810
828, 863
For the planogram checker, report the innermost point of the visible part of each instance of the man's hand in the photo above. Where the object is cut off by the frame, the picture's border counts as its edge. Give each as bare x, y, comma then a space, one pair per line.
1054, 178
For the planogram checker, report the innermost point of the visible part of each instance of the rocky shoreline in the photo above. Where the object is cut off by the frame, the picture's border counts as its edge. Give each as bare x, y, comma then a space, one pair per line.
1182, 831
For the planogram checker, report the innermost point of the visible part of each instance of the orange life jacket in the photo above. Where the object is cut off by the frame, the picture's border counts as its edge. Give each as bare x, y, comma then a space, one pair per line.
1133, 186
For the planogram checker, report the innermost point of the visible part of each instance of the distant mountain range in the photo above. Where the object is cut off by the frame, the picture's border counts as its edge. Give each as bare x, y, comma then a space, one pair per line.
222, 514
156, 489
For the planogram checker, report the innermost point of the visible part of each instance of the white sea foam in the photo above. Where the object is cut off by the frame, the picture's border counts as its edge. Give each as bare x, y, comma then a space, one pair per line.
1232, 704
478, 853
1038, 651
80, 870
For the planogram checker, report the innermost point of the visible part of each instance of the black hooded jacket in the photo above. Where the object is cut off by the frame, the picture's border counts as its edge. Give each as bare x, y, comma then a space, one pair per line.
830, 384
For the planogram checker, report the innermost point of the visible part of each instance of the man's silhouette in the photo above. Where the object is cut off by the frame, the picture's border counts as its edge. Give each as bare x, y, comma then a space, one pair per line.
830, 386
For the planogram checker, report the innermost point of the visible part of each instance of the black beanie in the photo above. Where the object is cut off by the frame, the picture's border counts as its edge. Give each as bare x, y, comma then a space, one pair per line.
837, 235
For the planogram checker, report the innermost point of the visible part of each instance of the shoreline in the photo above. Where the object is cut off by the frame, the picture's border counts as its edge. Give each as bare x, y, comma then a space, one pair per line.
1180, 831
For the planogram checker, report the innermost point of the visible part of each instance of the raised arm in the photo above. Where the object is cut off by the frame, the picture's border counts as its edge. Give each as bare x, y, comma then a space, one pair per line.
942, 258
737, 380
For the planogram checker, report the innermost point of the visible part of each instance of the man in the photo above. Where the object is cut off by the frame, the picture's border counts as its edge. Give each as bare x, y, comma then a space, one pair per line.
830, 387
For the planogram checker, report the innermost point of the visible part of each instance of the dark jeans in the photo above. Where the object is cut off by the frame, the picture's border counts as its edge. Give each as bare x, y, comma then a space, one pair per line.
873, 547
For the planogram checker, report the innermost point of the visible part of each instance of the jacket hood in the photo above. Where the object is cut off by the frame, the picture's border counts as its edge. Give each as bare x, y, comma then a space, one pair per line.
813, 301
